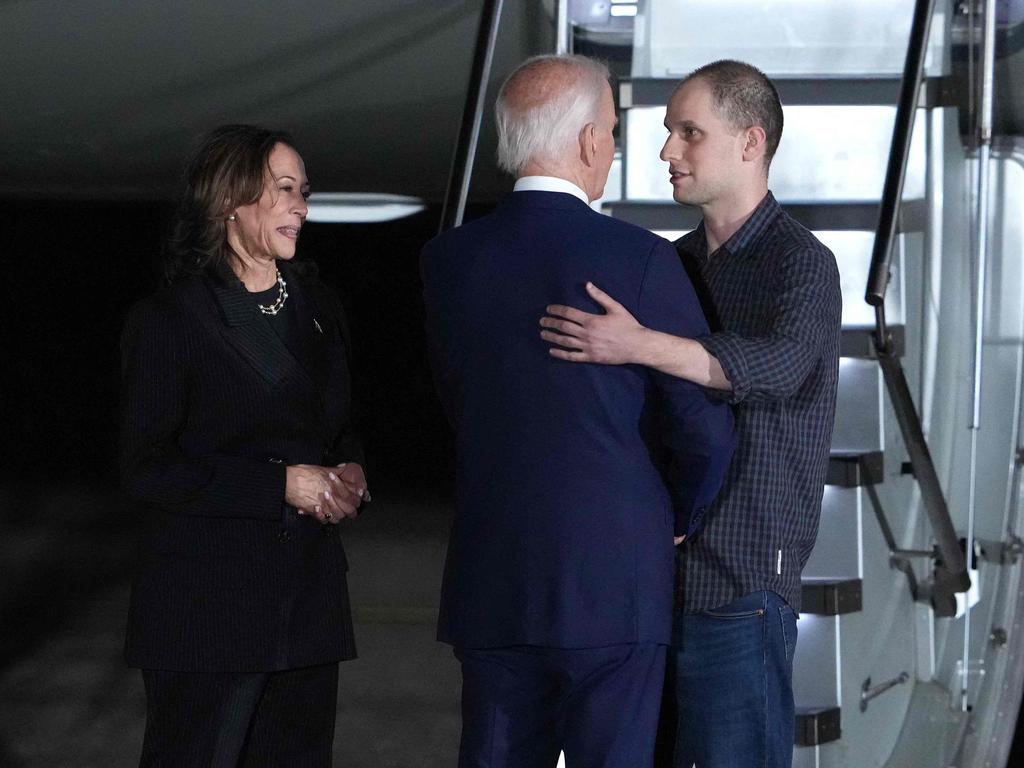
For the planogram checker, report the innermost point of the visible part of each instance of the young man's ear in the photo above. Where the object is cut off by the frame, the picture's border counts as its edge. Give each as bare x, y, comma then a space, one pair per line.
755, 141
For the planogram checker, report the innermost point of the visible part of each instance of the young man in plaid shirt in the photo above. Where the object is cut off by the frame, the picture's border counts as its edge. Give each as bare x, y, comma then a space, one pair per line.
772, 298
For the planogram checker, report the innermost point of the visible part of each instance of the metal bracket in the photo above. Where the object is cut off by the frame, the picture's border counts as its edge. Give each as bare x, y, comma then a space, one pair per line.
1000, 552
898, 558
998, 637
869, 692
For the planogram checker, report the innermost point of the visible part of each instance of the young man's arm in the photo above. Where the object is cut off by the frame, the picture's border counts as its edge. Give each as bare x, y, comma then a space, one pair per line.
616, 338
771, 366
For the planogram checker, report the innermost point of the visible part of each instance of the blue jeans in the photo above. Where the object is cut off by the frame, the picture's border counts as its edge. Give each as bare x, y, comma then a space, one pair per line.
734, 672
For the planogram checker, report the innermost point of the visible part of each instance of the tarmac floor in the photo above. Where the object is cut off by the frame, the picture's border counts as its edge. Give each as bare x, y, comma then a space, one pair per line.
67, 699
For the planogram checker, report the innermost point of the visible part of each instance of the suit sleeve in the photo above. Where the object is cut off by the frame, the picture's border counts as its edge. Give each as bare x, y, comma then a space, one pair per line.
696, 427
155, 383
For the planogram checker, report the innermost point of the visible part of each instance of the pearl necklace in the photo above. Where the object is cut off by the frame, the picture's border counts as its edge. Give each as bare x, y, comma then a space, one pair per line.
282, 296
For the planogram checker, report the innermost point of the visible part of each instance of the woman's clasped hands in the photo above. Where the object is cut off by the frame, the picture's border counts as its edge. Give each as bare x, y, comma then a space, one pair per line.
330, 494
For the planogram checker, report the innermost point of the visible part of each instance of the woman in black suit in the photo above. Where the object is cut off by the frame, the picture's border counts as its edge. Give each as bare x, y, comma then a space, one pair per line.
237, 450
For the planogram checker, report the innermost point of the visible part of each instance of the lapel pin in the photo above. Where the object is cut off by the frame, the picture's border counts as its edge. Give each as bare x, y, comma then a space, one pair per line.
317, 324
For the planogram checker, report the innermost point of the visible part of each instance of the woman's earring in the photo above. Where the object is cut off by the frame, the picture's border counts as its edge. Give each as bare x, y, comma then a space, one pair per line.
232, 217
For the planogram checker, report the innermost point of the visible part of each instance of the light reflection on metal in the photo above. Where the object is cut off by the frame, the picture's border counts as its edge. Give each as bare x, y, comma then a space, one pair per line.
361, 207
563, 29
472, 114
981, 223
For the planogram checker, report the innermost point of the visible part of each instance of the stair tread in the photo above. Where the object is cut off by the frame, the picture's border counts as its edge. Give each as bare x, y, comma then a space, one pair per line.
817, 725
821, 596
853, 469
857, 341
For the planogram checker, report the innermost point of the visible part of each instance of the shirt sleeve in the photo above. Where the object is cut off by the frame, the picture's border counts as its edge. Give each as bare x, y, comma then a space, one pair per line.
806, 308
696, 428
154, 409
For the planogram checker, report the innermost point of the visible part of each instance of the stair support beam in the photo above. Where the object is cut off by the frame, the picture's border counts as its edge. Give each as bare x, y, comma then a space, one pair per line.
472, 115
950, 574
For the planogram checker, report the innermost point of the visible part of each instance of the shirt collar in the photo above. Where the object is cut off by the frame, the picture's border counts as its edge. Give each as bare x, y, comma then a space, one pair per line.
744, 237
549, 184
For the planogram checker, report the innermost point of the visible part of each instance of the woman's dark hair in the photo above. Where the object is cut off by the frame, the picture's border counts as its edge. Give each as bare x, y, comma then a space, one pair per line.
227, 169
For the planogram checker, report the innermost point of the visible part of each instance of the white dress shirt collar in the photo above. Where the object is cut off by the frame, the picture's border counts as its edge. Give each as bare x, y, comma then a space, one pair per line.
549, 184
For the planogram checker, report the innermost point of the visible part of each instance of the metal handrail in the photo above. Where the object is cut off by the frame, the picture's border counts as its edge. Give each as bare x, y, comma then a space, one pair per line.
902, 133
950, 575
472, 114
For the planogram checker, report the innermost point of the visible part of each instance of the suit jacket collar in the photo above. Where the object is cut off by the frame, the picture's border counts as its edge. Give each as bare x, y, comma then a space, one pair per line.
550, 200
549, 184
233, 300
248, 331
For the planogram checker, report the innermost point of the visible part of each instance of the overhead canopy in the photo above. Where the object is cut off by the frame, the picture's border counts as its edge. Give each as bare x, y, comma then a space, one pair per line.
103, 98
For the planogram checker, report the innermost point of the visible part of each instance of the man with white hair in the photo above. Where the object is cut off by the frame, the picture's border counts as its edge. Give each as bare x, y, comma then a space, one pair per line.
557, 589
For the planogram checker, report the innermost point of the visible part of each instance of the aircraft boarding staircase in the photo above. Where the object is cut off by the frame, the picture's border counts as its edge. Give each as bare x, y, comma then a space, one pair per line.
880, 678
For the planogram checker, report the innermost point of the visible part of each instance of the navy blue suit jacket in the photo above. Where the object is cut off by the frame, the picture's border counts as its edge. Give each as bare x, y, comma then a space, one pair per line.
563, 528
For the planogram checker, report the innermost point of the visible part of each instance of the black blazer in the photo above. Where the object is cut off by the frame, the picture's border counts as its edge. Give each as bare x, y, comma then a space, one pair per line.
215, 406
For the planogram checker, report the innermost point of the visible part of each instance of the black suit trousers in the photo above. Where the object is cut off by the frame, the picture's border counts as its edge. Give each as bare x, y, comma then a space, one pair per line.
225, 720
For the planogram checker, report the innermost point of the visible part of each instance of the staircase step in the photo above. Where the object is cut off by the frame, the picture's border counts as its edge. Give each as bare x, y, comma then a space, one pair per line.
858, 342
797, 91
859, 407
821, 215
830, 597
849, 469
817, 725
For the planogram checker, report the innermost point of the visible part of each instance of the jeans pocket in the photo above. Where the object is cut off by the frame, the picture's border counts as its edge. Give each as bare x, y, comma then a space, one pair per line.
787, 620
733, 614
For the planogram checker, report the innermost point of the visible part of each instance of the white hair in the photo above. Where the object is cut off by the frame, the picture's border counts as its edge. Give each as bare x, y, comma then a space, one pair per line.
546, 130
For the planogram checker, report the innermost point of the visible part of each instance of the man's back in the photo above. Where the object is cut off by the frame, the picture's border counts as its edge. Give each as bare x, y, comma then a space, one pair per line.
562, 536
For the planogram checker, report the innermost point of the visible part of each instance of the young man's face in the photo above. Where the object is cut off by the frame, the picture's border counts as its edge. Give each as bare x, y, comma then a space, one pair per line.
704, 152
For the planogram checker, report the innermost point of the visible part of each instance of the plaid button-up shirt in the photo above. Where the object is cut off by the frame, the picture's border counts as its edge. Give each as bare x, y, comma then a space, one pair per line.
773, 302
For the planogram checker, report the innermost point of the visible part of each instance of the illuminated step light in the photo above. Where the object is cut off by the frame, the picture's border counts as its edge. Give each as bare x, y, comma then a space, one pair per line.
360, 207
623, 8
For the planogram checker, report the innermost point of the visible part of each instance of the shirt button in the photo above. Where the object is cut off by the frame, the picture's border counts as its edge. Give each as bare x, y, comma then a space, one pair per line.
284, 536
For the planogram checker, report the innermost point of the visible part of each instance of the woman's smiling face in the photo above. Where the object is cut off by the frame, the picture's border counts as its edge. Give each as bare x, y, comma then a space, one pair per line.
269, 228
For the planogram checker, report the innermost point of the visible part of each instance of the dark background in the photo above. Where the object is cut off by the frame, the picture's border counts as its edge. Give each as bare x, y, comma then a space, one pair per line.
72, 270
67, 537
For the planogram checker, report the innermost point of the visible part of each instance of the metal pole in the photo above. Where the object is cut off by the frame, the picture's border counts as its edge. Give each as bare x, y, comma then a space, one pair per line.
902, 132
988, 57
563, 36
472, 114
